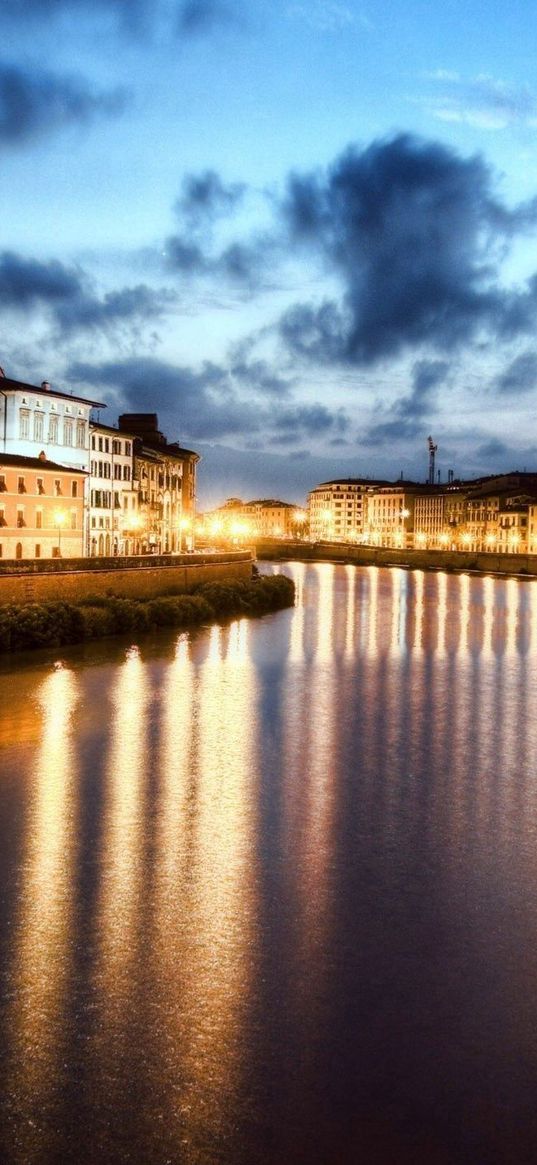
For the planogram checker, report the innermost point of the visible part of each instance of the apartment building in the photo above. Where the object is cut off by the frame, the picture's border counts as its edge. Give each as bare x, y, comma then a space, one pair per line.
338, 510
260, 518
164, 474
114, 520
41, 508
35, 418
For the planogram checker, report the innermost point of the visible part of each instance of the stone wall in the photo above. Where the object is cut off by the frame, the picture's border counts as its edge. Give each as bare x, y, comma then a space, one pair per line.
134, 579
385, 556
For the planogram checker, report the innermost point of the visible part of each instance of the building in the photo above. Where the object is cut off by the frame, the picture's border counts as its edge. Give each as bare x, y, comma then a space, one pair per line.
41, 508
114, 519
337, 510
164, 475
238, 521
390, 515
33, 419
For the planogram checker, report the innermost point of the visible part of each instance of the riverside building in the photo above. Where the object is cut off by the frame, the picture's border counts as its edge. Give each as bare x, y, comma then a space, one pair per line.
41, 508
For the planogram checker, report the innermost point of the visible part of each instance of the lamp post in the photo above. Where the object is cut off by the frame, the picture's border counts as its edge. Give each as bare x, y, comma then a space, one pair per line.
59, 521
184, 525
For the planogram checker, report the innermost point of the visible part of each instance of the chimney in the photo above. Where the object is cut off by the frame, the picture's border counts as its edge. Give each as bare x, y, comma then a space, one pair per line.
42, 455
45, 386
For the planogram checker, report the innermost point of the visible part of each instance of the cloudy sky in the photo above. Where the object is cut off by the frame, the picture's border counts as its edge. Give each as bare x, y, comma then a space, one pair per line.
303, 233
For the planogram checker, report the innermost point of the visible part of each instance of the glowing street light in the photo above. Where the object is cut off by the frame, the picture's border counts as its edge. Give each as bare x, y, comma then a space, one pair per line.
59, 520
184, 525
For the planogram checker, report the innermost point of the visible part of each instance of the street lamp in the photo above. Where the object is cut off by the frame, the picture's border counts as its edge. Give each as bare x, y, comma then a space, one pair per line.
134, 527
59, 521
184, 525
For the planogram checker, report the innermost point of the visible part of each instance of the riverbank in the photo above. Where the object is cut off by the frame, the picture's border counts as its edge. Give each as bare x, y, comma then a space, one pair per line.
53, 624
479, 562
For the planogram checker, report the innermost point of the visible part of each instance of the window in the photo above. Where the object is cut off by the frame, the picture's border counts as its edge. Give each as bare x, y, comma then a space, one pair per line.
106, 445
24, 424
57, 488
39, 519
116, 446
53, 430
106, 467
117, 503
127, 448
39, 426
100, 444
74, 489
68, 432
37, 551
21, 487
73, 519
2, 516
40, 485
81, 434
3, 486
20, 519
126, 473
93, 441
117, 472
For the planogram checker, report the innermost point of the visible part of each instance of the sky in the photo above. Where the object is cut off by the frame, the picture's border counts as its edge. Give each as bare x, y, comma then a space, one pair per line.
305, 234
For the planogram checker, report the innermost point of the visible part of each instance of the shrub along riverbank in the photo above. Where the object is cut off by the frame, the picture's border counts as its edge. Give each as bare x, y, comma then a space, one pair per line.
54, 624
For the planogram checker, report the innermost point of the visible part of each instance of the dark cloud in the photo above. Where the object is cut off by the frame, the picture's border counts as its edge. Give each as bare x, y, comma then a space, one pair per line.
406, 416
29, 284
36, 102
203, 404
520, 376
197, 17
312, 420
244, 264
427, 376
205, 197
260, 377
417, 237
492, 451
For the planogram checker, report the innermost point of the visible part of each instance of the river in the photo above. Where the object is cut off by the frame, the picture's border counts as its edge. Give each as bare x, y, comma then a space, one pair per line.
269, 890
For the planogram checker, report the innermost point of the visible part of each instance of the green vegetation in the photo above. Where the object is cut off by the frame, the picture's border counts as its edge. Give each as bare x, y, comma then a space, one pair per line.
52, 624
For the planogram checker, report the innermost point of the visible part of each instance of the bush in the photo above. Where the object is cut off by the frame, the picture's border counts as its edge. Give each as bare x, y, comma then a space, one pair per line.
53, 624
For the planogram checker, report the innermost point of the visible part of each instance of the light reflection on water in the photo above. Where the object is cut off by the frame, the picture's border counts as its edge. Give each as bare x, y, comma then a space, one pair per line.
270, 889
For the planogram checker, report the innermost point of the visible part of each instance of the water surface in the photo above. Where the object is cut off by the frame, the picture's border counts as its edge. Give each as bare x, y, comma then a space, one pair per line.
269, 891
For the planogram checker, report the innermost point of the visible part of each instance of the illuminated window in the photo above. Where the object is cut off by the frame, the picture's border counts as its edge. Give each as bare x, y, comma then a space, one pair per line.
39, 519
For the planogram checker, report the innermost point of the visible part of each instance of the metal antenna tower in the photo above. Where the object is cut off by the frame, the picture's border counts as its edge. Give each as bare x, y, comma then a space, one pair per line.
432, 455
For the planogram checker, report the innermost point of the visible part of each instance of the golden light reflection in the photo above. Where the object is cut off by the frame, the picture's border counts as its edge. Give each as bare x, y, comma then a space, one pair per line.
372, 611
121, 890
43, 941
296, 639
215, 972
350, 626
309, 772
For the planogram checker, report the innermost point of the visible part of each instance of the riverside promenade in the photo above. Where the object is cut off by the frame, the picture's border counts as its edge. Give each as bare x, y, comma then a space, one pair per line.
482, 562
139, 577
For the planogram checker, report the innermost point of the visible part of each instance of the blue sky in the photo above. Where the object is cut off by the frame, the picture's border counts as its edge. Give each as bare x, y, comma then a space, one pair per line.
303, 233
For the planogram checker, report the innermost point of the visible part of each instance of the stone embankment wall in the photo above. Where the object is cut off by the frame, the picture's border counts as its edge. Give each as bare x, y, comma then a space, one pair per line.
41, 581
385, 556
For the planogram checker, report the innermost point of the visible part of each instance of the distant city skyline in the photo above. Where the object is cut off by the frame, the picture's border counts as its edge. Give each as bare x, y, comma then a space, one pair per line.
304, 235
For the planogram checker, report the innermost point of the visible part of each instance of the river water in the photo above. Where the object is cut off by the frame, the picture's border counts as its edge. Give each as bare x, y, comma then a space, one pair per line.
268, 892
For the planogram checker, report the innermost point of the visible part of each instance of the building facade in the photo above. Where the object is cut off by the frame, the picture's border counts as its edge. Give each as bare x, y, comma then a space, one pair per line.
41, 508
114, 519
338, 510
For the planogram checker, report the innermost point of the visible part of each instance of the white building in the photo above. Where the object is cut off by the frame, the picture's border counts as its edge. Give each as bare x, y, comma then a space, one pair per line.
113, 500
34, 419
